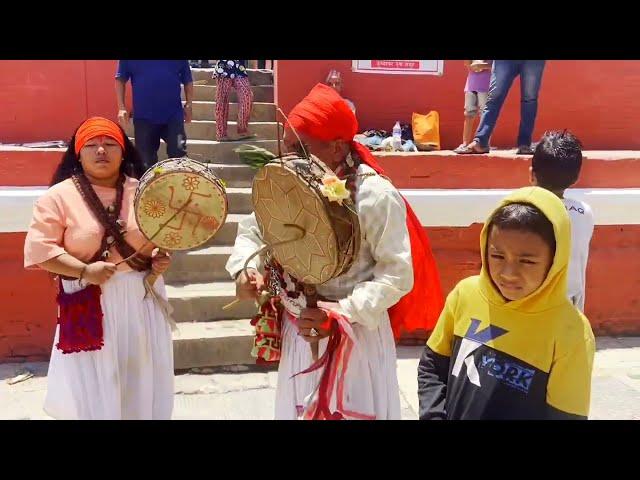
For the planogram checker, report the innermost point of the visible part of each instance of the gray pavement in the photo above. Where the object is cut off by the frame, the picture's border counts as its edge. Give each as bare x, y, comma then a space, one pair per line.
242, 392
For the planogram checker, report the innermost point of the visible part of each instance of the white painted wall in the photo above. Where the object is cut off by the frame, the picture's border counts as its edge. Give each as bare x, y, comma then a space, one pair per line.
434, 208
460, 208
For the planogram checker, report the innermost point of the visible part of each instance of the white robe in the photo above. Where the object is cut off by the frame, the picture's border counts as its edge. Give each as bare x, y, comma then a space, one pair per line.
381, 275
131, 376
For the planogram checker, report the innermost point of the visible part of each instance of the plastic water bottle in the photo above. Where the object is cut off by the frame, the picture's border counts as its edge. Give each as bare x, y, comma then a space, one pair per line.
397, 136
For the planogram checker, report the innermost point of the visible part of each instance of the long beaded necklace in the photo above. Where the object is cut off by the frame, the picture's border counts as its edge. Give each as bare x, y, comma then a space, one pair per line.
109, 219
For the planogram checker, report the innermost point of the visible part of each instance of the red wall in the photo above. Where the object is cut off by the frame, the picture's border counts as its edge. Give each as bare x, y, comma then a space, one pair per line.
27, 298
48, 99
28, 320
598, 100
613, 271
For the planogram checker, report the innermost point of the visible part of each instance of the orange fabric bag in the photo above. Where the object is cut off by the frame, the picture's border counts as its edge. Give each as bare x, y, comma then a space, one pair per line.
426, 130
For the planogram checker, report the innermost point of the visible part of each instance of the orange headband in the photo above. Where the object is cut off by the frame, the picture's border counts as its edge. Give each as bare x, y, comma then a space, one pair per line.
97, 127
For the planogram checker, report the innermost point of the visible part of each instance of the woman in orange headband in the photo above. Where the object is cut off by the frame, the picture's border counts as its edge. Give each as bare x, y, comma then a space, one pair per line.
112, 356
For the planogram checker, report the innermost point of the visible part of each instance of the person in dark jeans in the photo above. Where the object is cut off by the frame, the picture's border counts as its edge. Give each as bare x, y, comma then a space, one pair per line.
158, 112
503, 74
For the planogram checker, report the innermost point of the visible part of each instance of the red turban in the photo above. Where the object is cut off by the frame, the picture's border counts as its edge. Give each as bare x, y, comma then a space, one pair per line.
323, 114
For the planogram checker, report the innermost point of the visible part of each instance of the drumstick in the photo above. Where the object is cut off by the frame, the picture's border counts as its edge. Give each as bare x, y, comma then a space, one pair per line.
151, 277
246, 273
160, 228
232, 304
261, 250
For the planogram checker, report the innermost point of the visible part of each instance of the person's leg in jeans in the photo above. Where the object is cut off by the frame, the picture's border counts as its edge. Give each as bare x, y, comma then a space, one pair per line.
502, 75
175, 138
245, 102
147, 140
222, 107
530, 81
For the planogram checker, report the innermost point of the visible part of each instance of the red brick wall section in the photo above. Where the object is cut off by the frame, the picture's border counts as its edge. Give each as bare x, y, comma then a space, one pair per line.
28, 320
596, 99
47, 99
613, 272
612, 305
32, 168
447, 170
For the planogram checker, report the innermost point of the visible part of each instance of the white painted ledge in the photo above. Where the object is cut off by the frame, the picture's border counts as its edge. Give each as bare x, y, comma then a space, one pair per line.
461, 208
16, 207
434, 208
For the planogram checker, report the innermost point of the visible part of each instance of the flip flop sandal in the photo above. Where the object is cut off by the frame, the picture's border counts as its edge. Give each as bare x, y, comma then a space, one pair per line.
460, 148
469, 150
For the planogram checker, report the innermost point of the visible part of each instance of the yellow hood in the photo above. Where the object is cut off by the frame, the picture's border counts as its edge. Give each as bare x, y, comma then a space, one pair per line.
553, 290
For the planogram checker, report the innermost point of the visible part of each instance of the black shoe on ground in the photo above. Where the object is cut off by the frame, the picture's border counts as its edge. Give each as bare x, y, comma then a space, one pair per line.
524, 150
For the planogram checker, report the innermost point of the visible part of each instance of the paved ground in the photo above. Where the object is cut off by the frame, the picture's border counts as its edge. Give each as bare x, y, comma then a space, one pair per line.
248, 393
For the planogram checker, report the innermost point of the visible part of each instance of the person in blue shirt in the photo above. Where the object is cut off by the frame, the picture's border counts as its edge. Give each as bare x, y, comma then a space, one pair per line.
158, 112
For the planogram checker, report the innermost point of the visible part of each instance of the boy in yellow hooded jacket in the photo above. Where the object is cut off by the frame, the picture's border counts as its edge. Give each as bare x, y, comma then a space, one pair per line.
509, 344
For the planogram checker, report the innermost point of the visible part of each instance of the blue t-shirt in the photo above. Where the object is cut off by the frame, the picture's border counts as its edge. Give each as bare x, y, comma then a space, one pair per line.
156, 87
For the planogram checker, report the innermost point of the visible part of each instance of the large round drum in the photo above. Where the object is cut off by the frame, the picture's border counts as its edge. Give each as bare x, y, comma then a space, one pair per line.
288, 204
162, 193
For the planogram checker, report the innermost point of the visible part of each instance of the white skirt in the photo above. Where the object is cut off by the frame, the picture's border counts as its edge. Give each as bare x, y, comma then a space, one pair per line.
131, 377
371, 381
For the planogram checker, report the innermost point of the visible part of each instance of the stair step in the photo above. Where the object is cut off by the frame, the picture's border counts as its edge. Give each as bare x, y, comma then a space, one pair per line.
200, 265
261, 93
211, 151
206, 130
260, 111
234, 175
211, 344
202, 302
239, 200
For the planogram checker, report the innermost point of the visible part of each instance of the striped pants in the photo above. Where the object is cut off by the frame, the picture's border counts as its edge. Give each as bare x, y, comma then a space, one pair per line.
245, 100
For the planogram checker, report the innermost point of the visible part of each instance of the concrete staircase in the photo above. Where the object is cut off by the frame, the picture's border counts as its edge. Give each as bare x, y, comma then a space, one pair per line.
197, 284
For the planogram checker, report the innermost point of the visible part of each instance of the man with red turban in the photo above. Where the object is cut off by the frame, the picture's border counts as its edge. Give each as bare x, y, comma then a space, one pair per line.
391, 288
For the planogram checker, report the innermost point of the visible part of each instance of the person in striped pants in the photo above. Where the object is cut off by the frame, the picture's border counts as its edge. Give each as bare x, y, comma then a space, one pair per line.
232, 74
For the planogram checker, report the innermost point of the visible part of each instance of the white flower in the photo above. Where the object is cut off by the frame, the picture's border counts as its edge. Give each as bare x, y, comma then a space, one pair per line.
230, 63
232, 75
334, 189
